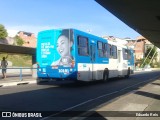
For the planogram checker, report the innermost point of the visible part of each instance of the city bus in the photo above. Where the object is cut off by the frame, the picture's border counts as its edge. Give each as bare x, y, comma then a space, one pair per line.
70, 54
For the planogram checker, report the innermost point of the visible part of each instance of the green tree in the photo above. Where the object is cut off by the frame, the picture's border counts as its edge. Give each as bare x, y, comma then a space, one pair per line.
19, 41
3, 32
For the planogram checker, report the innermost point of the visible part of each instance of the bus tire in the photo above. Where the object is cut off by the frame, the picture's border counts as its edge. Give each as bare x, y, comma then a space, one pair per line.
128, 73
105, 75
41, 80
38, 80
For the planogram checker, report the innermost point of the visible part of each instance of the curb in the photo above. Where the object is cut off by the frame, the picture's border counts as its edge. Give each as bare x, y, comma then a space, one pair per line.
17, 83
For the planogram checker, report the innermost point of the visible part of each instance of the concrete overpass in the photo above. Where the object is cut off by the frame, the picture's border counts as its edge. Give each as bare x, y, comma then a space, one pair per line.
141, 15
19, 50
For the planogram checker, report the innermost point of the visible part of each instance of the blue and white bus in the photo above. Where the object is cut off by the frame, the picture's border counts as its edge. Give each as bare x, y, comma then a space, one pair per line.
76, 55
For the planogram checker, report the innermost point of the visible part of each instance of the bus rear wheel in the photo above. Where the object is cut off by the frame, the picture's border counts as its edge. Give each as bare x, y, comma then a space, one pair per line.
105, 75
41, 80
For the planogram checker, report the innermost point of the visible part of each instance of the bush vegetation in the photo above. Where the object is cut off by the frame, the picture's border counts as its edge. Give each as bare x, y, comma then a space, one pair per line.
18, 60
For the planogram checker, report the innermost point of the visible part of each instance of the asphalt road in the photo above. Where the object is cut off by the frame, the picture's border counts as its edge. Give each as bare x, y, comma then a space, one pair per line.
57, 96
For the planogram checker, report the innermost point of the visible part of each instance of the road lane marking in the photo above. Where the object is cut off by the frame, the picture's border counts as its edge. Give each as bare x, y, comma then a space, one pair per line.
90, 100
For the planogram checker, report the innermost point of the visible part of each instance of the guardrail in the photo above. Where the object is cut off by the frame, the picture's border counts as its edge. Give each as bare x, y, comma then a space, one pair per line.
14, 70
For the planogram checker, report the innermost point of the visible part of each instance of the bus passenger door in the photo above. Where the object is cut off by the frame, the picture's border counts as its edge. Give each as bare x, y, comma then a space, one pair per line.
93, 58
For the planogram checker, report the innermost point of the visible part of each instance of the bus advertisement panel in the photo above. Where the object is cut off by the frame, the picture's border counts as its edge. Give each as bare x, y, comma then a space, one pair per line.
55, 52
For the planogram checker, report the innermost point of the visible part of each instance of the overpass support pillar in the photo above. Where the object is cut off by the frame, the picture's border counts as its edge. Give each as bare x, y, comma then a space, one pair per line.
33, 59
34, 66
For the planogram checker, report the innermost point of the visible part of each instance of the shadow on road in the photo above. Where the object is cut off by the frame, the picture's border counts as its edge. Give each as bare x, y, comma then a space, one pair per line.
71, 96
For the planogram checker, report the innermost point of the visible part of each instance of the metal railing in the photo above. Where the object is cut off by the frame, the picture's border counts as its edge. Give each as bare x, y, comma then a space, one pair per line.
21, 71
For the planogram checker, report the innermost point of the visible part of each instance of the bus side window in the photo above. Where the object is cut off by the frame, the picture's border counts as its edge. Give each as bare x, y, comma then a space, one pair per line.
125, 54
128, 54
105, 50
100, 49
109, 51
83, 49
114, 52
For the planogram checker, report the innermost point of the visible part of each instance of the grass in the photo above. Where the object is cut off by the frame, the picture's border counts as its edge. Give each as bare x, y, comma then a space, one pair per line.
18, 60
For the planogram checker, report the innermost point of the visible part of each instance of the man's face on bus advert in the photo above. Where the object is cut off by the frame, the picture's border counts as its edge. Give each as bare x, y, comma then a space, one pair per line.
63, 46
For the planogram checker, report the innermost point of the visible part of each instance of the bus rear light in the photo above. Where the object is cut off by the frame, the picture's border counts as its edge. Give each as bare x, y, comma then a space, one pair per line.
72, 64
55, 67
43, 72
79, 75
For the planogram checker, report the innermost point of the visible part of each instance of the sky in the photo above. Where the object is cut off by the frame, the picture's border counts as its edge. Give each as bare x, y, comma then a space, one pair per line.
38, 15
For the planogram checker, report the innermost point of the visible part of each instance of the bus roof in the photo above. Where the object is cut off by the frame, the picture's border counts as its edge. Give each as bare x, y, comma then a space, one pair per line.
89, 34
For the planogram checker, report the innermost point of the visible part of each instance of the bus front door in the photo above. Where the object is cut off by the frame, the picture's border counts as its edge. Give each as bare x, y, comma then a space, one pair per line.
93, 58
120, 63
